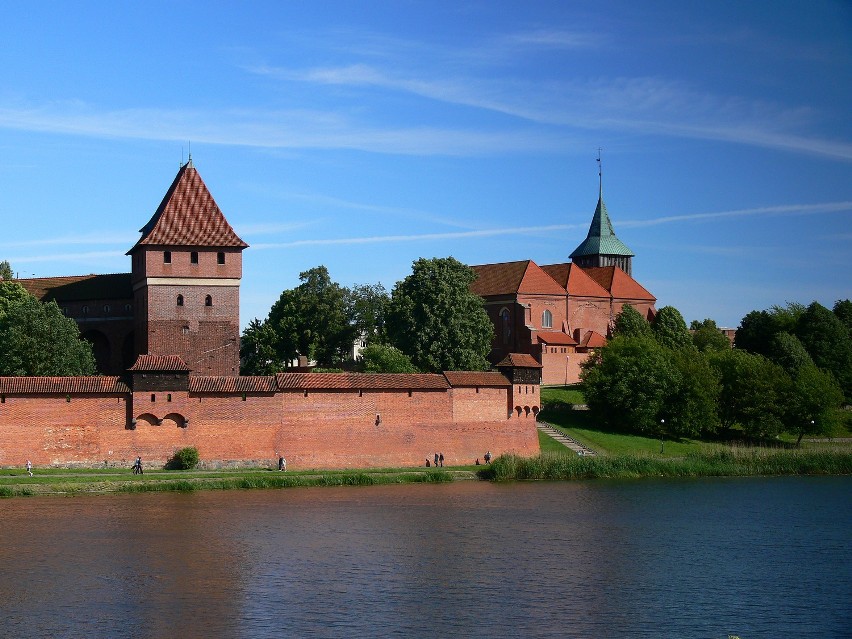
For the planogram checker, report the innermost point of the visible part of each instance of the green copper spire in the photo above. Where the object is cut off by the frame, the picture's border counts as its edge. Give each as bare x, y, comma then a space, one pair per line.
601, 247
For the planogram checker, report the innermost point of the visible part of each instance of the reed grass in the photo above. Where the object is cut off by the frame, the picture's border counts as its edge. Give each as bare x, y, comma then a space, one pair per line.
719, 462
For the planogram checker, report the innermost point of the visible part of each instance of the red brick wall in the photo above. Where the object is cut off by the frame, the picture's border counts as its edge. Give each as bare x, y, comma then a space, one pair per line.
329, 429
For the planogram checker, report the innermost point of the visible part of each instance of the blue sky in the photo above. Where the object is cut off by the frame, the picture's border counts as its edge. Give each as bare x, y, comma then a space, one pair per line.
364, 135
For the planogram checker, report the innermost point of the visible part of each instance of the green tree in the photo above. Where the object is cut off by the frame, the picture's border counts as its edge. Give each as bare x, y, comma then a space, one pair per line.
366, 307
435, 319
11, 293
758, 328
706, 336
670, 329
814, 403
789, 353
628, 382
754, 392
311, 320
258, 355
382, 358
691, 405
630, 323
843, 310
5, 270
828, 343
38, 340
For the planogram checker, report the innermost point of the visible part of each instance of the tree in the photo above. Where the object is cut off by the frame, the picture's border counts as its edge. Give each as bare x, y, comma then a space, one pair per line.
311, 320
257, 350
757, 328
789, 353
754, 392
691, 405
670, 329
627, 384
11, 293
366, 307
38, 340
382, 358
630, 323
706, 336
843, 310
828, 343
814, 402
5, 270
435, 319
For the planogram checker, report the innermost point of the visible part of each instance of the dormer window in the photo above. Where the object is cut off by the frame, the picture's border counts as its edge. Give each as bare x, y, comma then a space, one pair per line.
193, 257
167, 257
220, 257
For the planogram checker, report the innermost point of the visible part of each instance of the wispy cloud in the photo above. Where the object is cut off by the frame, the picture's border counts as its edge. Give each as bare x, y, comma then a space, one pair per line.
786, 209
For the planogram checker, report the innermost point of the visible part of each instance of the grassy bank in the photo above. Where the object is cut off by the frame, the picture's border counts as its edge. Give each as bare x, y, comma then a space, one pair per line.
721, 462
14, 483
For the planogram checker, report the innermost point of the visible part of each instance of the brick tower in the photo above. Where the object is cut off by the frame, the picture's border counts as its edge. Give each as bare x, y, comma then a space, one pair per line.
186, 271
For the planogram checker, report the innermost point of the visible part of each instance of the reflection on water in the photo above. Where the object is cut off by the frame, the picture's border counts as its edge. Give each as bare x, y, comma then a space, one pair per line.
756, 557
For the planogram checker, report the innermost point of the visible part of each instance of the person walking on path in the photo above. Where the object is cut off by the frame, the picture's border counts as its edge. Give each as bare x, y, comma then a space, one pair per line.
30, 467
442, 460
488, 457
436, 460
280, 462
137, 466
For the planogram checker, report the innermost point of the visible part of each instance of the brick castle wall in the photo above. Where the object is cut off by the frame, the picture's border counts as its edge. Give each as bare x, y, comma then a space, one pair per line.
325, 429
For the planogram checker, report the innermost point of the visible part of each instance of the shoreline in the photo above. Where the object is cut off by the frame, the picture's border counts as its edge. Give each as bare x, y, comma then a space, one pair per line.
15, 482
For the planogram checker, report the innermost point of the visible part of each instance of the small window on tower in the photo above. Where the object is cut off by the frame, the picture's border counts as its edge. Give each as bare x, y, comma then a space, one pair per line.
547, 319
167, 257
220, 257
180, 300
193, 257
208, 301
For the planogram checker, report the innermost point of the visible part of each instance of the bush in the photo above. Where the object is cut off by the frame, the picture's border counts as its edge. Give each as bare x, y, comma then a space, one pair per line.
183, 459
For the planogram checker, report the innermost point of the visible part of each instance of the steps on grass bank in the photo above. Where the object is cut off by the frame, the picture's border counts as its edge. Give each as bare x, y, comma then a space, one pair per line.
564, 439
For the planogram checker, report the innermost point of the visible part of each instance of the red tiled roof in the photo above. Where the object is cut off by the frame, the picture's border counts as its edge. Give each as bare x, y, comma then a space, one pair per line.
73, 288
188, 216
159, 363
618, 283
555, 337
592, 340
575, 281
61, 385
510, 278
360, 381
476, 378
222, 384
518, 360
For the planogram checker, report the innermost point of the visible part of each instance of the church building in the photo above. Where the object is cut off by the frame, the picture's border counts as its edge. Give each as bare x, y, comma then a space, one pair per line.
560, 313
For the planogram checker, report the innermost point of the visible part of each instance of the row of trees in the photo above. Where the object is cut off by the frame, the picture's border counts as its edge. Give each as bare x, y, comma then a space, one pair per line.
36, 338
430, 322
662, 379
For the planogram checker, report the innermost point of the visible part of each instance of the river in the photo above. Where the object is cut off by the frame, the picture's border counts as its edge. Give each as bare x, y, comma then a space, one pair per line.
758, 557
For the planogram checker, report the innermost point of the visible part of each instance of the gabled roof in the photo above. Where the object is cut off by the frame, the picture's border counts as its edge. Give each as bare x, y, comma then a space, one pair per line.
476, 378
601, 239
361, 381
188, 216
222, 384
61, 385
618, 283
510, 278
159, 364
592, 340
75, 288
518, 360
575, 281
555, 337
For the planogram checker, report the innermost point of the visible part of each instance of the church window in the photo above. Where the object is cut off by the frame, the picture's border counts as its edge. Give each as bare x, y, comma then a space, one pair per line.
208, 301
193, 257
106, 308
505, 325
85, 310
180, 300
167, 257
220, 257
547, 319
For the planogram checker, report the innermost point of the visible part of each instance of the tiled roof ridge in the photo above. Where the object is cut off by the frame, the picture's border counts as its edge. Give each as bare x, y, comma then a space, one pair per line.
159, 363
476, 378
62, 385
360, 381
520, 360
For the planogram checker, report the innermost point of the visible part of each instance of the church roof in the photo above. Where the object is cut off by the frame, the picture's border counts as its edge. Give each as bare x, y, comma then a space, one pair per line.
73, 288
188, 216
575, 281
509, 278
592, 340
618, 283
601, 239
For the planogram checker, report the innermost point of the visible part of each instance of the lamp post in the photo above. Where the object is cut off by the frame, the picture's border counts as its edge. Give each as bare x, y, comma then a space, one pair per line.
662, 430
